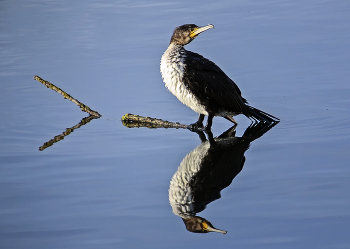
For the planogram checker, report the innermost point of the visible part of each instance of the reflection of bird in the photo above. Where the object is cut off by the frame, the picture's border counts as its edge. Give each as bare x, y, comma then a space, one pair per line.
200, 84
208, 169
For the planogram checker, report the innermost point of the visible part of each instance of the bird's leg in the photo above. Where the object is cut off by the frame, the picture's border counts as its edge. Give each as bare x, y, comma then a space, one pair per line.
210, 137
204, 139
209, 122
199, 124
229, 133
201, 136
231, 119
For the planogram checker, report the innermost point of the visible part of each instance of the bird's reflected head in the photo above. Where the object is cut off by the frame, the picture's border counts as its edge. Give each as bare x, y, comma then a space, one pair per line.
198, 224
184, 34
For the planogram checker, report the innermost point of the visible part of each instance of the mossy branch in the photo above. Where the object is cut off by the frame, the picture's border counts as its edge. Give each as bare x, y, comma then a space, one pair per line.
132, 121
65, 95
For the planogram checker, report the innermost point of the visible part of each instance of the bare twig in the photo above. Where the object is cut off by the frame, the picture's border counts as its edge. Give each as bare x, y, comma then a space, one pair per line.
65, 95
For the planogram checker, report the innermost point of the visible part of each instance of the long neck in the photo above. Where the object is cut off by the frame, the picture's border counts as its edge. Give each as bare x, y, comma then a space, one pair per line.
173, 48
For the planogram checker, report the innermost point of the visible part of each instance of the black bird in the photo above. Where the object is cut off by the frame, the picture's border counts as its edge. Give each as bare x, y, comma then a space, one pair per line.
201, 85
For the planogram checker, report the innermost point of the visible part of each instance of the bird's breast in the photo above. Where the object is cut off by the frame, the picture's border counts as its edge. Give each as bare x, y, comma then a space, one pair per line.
172, 68
180, 193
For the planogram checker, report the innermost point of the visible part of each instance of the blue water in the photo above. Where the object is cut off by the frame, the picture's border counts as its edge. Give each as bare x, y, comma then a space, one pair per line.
106, 186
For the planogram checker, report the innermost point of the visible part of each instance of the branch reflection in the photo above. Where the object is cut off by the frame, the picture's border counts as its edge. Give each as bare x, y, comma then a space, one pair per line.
68, 131
208, 169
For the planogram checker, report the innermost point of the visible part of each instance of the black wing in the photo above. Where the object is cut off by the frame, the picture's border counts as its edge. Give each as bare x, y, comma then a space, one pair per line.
211, 85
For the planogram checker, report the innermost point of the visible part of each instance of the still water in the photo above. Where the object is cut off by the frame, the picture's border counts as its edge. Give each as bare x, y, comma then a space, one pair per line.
107, 186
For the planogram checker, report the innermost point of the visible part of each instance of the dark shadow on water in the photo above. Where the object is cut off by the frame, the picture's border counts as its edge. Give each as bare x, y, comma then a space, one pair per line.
207, 170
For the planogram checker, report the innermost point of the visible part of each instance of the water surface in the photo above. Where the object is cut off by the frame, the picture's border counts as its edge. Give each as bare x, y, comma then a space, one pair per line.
106, 186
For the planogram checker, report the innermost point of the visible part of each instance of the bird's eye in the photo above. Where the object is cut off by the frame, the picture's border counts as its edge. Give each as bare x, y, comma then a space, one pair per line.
191, 29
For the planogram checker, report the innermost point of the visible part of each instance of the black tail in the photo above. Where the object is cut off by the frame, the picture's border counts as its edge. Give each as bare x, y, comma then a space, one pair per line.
258, 115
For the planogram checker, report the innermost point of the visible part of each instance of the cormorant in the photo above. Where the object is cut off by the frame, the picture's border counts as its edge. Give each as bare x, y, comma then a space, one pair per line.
200, 84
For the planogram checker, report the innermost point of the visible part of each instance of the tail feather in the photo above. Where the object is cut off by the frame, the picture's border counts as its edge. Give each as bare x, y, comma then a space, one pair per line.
259, 115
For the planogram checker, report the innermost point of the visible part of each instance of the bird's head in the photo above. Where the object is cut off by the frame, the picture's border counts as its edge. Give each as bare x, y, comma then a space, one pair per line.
198, 224
184, 34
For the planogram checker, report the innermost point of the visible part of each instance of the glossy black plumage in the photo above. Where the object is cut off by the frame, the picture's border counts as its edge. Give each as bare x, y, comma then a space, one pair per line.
200, 84
211, 85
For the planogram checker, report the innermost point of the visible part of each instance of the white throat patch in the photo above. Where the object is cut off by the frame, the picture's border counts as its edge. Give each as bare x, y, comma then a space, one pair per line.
172, 68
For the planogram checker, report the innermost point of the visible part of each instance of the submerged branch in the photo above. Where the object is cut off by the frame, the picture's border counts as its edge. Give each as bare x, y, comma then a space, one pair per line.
67, 132
65, 95
132, 121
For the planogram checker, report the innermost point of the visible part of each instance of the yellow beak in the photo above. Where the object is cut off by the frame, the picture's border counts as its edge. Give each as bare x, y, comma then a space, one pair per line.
199, 30
209, 228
